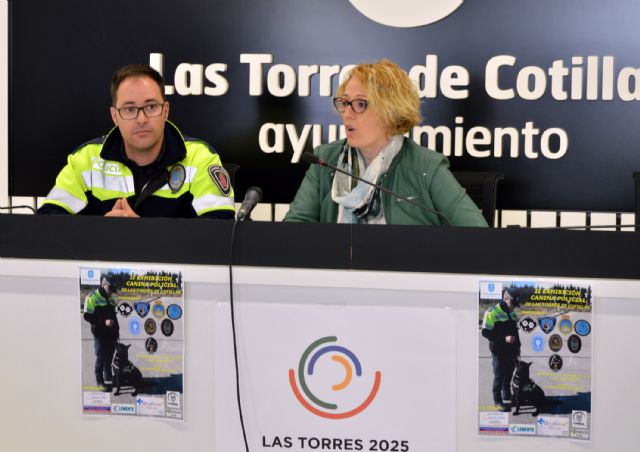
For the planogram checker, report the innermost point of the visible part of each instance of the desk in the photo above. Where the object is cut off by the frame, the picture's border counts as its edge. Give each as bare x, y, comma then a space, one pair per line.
40, 256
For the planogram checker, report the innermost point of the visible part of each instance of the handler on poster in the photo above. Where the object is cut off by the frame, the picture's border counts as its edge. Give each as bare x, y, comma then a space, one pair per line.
500, 327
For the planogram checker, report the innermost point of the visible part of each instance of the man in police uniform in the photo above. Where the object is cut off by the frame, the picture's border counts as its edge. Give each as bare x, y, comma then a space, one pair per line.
500, 327
100, 312
144, 166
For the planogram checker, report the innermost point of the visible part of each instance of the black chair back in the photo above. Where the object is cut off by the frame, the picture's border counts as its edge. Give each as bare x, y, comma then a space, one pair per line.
482, 188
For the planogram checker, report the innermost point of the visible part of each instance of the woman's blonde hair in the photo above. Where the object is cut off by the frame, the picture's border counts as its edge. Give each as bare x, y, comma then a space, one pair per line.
390, 92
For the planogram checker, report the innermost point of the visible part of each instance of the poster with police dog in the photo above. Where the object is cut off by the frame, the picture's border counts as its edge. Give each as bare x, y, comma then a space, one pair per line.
535, 359
132, 335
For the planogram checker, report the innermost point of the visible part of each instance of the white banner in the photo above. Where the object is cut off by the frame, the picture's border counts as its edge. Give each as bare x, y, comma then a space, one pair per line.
327, 378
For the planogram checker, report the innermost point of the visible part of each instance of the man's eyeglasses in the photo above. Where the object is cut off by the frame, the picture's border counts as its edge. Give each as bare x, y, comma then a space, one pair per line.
357, 105
132, 112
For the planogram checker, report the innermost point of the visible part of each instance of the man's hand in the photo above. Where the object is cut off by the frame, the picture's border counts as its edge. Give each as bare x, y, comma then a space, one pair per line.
108, 322
510, 339
122, 209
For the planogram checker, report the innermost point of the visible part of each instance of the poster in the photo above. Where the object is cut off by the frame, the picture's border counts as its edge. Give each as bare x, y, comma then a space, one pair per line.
535, 359
132, 335
325, 378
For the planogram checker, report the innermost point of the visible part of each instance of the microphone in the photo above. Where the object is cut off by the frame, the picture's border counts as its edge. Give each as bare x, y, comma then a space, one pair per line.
251, 198
308, 157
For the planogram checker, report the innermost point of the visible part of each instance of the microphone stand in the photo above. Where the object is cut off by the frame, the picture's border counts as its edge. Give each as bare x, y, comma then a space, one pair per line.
312, 158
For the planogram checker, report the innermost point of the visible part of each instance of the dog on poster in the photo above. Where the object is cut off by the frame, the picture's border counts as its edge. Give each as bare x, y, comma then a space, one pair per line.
525, 392
125, 373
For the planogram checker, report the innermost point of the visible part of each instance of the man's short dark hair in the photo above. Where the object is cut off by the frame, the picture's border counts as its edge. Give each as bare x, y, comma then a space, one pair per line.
134, 70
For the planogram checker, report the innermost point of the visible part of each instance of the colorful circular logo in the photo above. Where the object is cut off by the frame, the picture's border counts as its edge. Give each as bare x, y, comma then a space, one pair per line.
134, 326
582, 327
555, 342
555, 363
565, 325
575, 344
166, 327
307, 367
150, 327
174, 312
158, 310
527, 324
537, 342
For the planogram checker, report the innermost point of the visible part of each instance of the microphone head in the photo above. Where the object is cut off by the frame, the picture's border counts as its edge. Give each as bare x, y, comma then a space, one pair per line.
309, 157
254, 193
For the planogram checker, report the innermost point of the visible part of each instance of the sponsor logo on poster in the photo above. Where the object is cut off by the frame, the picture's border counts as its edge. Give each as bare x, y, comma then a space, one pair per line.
307, 367
522, 429
494, 422
150, 406
173, 400
491, 290
579, 419
90, 276
553, 426
123, 408
96, 398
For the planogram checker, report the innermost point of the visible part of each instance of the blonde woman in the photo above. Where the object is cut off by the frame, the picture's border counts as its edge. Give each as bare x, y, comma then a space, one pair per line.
378, 104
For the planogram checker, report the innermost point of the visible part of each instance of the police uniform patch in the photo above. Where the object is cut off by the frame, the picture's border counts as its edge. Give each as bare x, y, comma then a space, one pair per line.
221, 178
158, 310
177, 175
166, 327
537, 342
582, 327
565, 325
134, 327
150, 327
174, 312
142, 308
151, 345
124, 309
574, 343
547, 324
555, 363
527, 324
555, 342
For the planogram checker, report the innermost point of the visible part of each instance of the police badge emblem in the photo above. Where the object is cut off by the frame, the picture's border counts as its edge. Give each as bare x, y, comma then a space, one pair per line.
174, 312
565, 325
555, 363
142, 308
547, 324
150, 327
537, 342
151, 345
166, 327
582, 327
134, 326
221, 178
575, 343
158, 310
527, 324
177, 175
124, 309
555, 342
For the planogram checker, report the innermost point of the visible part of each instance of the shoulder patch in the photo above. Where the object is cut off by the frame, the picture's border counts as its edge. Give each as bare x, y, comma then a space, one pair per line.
220, 177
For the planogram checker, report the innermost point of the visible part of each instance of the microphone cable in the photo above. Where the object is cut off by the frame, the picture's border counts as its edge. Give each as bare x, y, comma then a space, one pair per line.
254, 195
18, 207
233, 330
